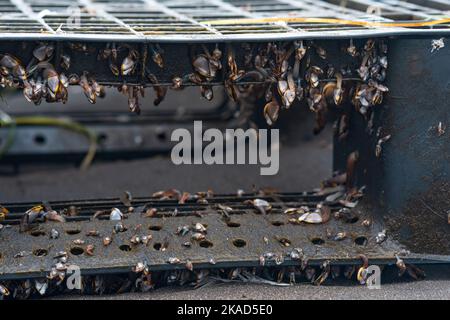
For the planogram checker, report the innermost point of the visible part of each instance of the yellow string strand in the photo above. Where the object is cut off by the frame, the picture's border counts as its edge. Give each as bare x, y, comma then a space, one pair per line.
328, 21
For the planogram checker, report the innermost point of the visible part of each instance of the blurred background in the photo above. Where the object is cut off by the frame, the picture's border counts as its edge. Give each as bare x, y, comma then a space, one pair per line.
42, 161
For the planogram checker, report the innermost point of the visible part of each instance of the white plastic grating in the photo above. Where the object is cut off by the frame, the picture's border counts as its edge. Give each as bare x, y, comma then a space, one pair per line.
186, 21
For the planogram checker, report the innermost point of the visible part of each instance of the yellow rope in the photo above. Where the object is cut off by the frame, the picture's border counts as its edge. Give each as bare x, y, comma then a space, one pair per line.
328, 21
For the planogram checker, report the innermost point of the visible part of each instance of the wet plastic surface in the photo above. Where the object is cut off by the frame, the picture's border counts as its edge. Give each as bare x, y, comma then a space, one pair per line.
238, 240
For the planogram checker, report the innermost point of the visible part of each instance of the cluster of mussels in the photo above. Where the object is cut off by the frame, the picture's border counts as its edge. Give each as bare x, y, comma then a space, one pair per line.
284, 72
280, 71
141, 279
40, 79
323, 85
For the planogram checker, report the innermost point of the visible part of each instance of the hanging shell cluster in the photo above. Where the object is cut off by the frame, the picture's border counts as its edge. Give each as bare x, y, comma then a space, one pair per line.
301, 71
279, 72
40, 78
141, 279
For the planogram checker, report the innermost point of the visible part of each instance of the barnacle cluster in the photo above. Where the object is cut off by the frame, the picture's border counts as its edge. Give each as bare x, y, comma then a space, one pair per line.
40, 80
142, 279
321, 84
281, 72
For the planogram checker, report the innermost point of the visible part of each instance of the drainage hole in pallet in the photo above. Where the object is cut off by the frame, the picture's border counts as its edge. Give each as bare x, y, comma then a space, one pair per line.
361, 241
205, 244
162, 136
239, 243
73, 231
125, 247
40, 139
102, 137
40, 252
317, 241
233, 224
38, 233
277, 223
155, 228
76, 251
